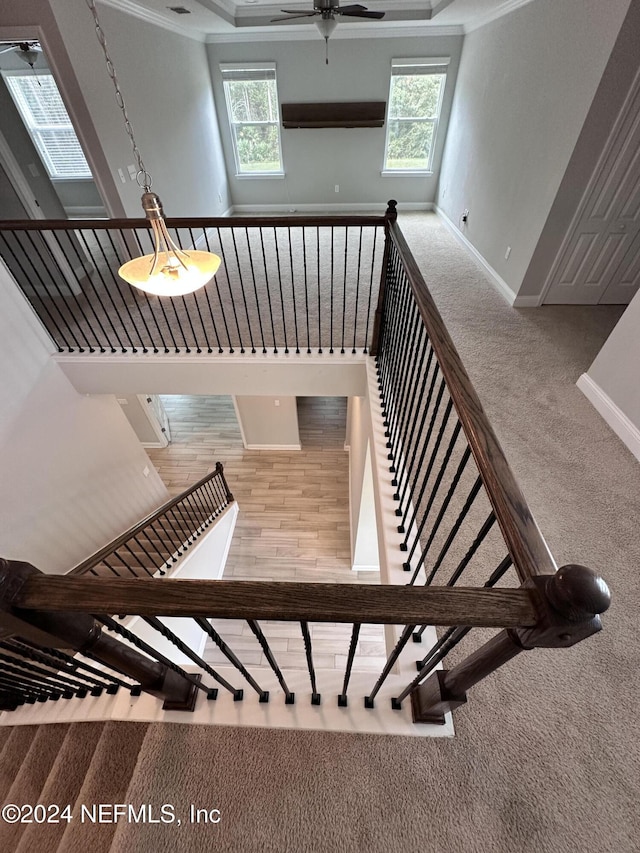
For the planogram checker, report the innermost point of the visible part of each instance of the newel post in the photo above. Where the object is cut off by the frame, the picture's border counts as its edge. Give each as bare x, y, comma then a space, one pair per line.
568, 605
80, 632
227, 491
390, 215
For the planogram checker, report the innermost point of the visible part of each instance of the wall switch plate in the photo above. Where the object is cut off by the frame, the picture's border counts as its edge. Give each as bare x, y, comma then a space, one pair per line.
123, 401
122, 177
276, 402
132, 172
146, 471
507, 253
337, 188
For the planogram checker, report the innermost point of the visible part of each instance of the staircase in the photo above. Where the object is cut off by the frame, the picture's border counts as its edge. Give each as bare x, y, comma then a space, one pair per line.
82, 763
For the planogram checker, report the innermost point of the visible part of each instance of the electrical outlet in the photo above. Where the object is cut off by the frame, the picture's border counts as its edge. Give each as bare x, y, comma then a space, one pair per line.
122, 177
507, 253
465, 215
337, 188
276, 402
146, 471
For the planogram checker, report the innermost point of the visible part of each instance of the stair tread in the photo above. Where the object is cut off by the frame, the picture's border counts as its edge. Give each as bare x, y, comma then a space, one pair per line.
106, 781
13, 754
30, 777
63, 786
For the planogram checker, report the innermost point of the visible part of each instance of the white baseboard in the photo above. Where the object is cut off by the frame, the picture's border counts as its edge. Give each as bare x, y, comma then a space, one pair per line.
527, 302
273, 446
285, 209
626, 431
497, 281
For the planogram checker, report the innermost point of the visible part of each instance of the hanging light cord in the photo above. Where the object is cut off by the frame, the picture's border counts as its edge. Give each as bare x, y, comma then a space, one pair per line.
143, 177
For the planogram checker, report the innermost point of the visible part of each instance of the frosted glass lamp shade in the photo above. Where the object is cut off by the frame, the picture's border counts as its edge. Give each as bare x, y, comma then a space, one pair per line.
171, 277
326, 26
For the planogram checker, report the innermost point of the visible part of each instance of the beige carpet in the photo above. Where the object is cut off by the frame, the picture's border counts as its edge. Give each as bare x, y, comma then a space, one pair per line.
547, 755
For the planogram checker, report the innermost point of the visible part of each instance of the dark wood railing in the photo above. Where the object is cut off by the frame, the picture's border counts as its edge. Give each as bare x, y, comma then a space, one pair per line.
155, 544
461, 514
47, 612
285, 284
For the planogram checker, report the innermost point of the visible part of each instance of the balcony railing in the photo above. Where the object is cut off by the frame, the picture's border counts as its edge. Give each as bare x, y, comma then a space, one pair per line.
460, 514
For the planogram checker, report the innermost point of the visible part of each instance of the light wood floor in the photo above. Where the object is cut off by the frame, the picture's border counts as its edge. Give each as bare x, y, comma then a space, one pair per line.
293, 522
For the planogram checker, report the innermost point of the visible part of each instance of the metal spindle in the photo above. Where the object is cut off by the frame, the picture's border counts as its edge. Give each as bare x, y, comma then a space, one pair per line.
293, 292
366, 333
355, 315
342, 698
208, 628
315, 696
391, 660
255, 290
284, 319
137, 303
244, 296
266, 284
289, 697
306, 284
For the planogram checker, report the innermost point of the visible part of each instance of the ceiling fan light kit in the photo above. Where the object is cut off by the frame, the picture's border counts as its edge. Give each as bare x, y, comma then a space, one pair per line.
328, 9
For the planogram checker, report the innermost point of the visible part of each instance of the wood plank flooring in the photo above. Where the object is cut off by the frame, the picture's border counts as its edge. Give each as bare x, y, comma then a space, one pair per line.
293, 522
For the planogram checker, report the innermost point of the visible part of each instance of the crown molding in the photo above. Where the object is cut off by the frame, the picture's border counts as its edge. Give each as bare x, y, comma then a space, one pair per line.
150, 17
499, 12
364, 31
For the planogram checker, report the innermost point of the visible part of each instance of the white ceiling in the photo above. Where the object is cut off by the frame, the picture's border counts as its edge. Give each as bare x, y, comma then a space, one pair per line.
212, 20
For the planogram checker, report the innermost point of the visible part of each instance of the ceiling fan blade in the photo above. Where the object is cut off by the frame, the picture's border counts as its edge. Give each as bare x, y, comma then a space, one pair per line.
7, 49
359, 14
298, 12
352, 7
292, 17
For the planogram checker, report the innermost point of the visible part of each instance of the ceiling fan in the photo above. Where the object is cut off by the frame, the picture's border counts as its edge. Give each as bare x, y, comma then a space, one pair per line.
327, 10
28, 51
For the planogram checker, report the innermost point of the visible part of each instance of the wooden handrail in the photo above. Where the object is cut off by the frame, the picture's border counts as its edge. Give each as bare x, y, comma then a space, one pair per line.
529, 551
110, 547
188, 222
314, 602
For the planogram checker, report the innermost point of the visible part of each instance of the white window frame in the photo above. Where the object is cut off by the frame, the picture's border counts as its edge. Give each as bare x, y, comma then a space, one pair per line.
33, 129
237, 71
416, 66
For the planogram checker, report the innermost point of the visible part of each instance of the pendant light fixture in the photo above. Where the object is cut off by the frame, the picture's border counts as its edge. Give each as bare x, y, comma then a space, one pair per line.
169, 271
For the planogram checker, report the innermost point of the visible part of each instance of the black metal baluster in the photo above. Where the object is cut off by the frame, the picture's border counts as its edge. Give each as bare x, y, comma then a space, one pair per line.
481, 536
266, 283
289, 697
403, 381
391, 660
95, 686
154, 654
98, 270
75, 664
163, 557
168, 634
404, 524
306, 288
434, 489
401, 495
208, 628
157, 300
136, 558
366, 333
206, 293
293, 291
244, 296
13, 678
231, 293
111, 569
331, 301
190, 501
342, 698
315, 696
141, 294
355, 315
56, 237
319, 289
35, 294
124, 563
255, 289
171, 539
54, 678
61, 297
284, 320
394, 297
344, 286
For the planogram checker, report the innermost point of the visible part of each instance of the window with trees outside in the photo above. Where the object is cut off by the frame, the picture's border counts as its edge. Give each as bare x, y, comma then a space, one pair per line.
254, 117
45, 117
415, 100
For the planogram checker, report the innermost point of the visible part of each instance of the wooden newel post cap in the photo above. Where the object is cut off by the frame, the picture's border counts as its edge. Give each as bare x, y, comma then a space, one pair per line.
578, 593
391, 212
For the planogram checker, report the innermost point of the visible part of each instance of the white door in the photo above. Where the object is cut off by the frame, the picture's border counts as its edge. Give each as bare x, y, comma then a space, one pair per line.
599, 260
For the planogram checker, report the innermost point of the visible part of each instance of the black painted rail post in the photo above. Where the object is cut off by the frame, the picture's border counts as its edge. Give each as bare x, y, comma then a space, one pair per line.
569, 604
82, 633
220, 472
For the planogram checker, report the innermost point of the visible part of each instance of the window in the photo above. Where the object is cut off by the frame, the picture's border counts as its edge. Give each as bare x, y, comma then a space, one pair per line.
252, 105
38, 101
415, 98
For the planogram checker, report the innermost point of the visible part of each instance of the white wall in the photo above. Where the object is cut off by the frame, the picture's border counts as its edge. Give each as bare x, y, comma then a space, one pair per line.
72, 468
525, 85
616, 369
166, 85
362, 510
268, 422
316, 160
